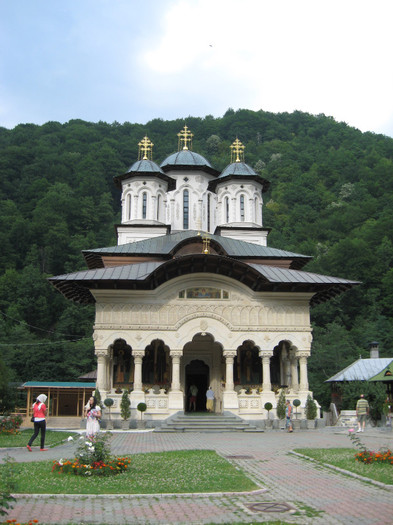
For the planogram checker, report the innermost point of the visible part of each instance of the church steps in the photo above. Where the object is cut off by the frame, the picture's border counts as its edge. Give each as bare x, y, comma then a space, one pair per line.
206, 423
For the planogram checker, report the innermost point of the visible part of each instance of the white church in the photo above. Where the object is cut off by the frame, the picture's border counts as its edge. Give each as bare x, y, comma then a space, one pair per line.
192, 294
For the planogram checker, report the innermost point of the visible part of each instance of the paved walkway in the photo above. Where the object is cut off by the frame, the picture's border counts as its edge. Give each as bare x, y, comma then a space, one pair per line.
306, 493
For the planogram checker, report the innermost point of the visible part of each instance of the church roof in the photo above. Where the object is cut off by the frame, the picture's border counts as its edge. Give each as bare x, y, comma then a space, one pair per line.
238, 168
151, 274
164, 245
145, 167
187, 160
239, 171
361, 370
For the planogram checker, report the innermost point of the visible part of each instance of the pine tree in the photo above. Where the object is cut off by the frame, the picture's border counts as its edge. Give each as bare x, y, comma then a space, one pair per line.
281, 405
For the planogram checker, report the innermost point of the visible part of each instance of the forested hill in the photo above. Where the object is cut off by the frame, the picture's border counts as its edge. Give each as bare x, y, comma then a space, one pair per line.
331, 197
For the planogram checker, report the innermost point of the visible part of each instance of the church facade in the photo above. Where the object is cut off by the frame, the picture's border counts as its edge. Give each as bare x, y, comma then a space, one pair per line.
193, 295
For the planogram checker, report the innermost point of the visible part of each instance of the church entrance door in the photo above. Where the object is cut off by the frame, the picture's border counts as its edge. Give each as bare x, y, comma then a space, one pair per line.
197, 374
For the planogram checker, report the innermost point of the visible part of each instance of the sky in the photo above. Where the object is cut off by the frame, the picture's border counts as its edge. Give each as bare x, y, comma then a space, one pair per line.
137, 60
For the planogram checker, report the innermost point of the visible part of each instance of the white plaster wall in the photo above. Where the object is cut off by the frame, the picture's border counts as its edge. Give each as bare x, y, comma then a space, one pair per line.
141, 316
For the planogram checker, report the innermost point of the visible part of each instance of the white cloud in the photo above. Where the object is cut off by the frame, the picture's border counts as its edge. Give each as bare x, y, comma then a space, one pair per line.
322, 57
141, 59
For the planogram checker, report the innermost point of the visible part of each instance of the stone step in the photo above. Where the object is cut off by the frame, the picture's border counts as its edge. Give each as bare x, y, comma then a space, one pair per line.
206, 423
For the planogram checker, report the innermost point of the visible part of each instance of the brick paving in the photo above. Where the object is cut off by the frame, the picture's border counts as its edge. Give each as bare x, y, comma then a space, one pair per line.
315, 495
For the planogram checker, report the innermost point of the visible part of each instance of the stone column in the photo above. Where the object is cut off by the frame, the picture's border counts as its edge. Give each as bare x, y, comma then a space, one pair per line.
153, 208
250, 213
175, 401
265, 356
229, 357
230, 400
137, 395
102, 360
134, 208
138, 357
294, 372
232, 210
175, 355
267, 394
303, 386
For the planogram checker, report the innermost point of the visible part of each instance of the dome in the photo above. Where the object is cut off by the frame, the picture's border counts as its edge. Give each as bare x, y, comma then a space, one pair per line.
145, 166
238, 168
186, 157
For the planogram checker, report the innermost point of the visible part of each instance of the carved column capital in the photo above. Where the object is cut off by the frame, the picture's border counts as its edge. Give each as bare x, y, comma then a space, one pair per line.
102, 352
138, 353
229, 354
266, 353
302, 353
176, 353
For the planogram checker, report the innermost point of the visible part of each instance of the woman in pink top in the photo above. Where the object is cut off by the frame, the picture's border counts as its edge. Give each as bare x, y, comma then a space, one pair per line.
39, 414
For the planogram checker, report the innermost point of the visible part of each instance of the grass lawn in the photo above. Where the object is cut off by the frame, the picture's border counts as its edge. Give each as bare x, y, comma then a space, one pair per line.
20, 440
344, 458
159, 472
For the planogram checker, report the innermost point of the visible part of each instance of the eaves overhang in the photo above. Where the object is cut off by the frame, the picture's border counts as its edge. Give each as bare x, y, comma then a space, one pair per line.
166, 246
78, 286
240, 178
148, 174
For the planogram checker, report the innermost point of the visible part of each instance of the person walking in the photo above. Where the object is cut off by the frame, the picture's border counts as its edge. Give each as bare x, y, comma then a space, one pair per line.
362, 411
210, 399
93, 415
193, 397
39, 415
288, 416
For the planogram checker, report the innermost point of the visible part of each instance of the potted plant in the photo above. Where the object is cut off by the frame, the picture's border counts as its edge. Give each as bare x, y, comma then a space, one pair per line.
108, 402
125, 410
311, 411
296, 422
268, 406
142, 408
281, 409
97, 395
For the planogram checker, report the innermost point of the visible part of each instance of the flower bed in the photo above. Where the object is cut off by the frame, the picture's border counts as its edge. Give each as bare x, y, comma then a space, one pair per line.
97, 468
10, 424
369, 456
93, 459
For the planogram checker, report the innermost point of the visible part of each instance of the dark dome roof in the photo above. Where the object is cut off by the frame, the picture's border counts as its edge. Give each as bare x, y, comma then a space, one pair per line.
145, 166
238, 168
185, 157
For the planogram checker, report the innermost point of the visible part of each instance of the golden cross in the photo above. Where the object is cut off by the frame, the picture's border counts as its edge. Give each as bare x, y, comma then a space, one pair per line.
206, 243
185, 136
237, 151
145, 149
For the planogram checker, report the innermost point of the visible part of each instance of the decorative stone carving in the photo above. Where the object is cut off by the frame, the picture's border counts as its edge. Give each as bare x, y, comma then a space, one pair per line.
248, 317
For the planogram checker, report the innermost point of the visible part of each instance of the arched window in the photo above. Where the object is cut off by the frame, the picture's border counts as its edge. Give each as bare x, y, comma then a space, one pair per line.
226, 209
208, 211
186, 209
242, 208
128, 208
158, 207
144, 205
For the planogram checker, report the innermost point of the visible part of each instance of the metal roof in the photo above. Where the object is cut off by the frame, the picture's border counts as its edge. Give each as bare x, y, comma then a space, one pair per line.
150, 275
385, 375
284, 275
185, 157
164, 244
58, 384
145, 166
238, 168
361, 370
